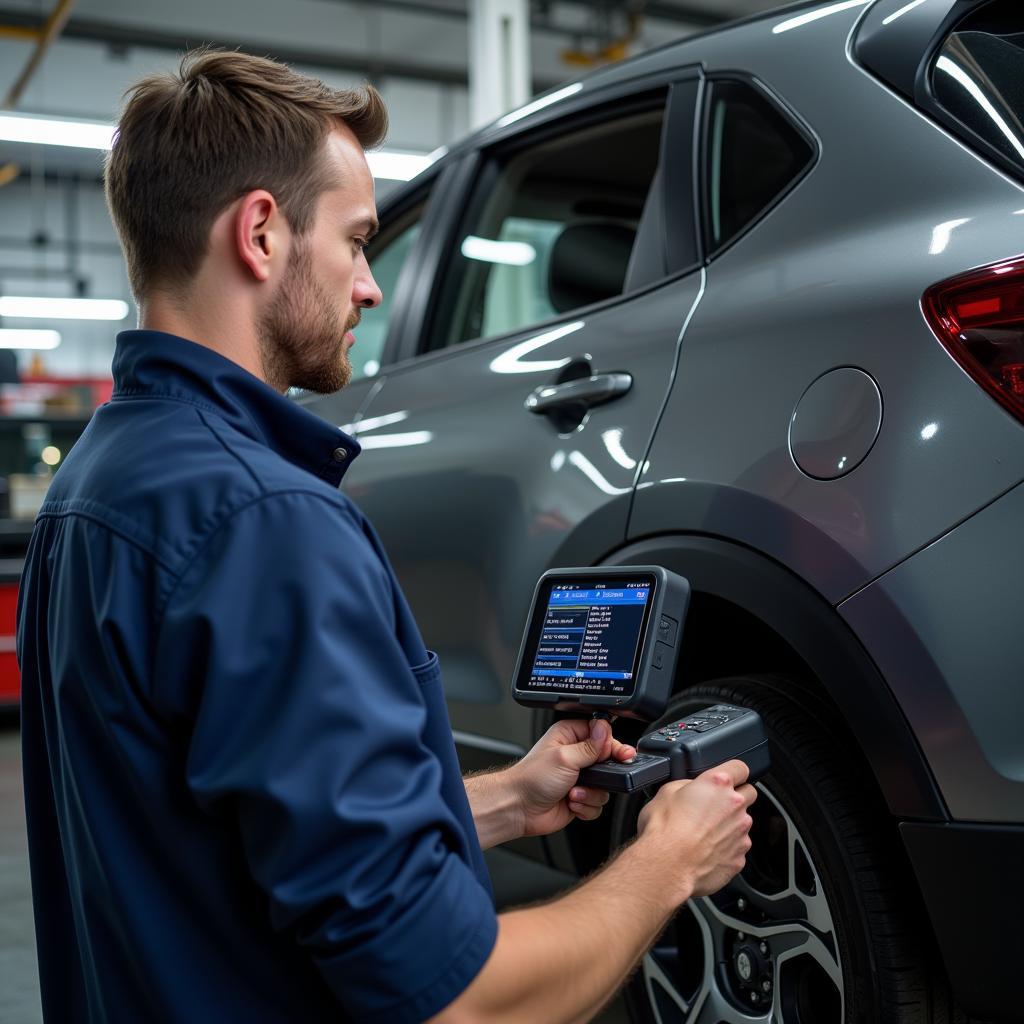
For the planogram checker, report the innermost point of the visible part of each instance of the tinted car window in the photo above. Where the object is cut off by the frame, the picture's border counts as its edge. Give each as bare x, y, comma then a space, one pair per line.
387, 255
752, 155
978, 77
549, 229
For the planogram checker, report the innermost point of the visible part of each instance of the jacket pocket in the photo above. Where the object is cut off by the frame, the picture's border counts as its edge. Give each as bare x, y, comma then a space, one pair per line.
429, 672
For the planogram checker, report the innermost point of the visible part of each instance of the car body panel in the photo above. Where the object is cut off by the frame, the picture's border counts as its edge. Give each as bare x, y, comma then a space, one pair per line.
823, 643
828, 279
944, 627
475, 496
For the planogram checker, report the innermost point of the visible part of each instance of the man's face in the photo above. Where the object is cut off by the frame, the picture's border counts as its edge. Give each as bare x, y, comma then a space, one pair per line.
305, 333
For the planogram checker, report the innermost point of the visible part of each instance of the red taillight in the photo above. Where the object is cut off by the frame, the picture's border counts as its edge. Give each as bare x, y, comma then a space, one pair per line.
979, 318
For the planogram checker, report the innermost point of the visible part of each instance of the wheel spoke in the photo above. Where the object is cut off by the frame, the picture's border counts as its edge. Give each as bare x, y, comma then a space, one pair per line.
767, 943
718, 1010
795, 940
655, 973
793, 921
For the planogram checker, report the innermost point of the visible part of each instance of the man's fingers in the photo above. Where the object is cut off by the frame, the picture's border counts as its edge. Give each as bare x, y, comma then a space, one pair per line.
590, 797
569, 730
594, 746
748, 793
733, 773
622, 751
588, 812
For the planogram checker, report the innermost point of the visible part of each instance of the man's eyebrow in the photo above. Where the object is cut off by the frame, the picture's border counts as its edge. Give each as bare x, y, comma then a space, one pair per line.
367, 226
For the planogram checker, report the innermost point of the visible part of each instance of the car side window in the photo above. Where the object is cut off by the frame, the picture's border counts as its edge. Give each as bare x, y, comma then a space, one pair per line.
752, 155
550, 227
387, 254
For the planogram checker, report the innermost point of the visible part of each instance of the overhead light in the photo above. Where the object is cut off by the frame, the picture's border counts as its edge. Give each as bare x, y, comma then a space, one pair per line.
43, 307
396, 165
56, 131
397, 440
12, 338
492, 250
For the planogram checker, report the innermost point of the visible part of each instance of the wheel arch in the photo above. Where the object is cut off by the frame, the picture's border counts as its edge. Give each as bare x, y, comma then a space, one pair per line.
740, 592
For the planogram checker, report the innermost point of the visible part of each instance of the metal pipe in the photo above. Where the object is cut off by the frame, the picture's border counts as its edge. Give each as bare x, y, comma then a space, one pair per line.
51, 30
23, 33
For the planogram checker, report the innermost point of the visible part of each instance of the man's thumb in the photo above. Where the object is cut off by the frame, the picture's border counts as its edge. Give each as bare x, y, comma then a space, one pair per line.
592, 749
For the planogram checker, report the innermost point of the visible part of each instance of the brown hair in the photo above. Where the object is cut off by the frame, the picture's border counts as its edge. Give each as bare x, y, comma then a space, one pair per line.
188, 145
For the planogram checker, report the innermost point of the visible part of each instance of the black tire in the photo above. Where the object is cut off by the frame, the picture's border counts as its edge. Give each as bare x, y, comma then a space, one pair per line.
821, 927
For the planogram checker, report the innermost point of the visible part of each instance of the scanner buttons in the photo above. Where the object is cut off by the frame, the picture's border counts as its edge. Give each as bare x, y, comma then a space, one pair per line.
667, 627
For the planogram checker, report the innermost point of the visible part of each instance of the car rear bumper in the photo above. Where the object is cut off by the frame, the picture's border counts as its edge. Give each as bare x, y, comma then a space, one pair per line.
972, 880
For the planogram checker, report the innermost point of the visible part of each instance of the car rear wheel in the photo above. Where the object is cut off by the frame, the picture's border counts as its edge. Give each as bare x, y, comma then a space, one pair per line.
818, 928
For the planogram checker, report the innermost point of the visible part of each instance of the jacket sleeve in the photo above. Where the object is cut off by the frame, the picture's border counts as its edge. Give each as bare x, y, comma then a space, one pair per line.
308, 732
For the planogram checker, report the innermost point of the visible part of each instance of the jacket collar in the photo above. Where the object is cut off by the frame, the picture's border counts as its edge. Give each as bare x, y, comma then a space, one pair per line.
165, 366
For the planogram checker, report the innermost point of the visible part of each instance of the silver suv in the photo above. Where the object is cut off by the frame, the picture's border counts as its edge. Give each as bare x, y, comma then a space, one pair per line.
749, 307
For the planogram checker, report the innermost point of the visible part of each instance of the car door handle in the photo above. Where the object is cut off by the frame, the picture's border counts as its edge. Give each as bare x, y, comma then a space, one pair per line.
585, 391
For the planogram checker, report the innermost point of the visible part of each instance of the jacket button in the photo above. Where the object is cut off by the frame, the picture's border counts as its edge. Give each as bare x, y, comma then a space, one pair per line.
339, 455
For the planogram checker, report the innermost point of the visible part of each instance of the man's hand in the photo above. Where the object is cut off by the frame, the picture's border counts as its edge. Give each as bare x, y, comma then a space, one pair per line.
705, 822
545, 779
554, 962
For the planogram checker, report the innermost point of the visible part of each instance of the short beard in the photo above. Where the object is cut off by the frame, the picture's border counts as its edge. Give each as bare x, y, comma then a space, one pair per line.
301, 345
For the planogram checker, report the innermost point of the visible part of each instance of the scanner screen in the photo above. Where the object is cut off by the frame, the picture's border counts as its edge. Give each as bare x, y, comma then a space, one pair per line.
590, 638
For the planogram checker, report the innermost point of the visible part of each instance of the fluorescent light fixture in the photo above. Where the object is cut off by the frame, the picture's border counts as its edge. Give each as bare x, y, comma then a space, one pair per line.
958, 74
397, 440
942, 233
511, 360
805, 19
11, 337
44, 308
903, 10
376, 422
56, 131
540, 104
491, 250
397, 166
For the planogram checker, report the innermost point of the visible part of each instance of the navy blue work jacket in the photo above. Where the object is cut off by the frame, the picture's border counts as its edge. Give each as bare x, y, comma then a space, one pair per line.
242, 791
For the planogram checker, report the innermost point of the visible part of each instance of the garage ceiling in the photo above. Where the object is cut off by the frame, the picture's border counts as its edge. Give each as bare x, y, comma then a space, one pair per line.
419, 40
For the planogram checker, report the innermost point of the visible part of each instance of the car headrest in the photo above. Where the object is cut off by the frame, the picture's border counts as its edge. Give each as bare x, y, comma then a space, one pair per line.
588, 263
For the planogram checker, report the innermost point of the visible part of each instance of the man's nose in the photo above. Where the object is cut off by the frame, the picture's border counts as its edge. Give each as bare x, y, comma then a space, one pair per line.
365, 292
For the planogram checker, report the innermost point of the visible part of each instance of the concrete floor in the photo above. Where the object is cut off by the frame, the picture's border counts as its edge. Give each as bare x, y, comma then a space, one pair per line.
19, 978
515, 880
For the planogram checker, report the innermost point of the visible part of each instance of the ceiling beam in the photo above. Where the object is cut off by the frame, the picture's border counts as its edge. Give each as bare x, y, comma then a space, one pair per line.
699, 17
371, 67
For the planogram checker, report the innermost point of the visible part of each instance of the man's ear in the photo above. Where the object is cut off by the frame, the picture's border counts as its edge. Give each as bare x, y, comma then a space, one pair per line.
259, 238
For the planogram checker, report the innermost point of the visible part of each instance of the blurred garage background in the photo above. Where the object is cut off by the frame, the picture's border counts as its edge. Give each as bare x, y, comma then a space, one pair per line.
444, 67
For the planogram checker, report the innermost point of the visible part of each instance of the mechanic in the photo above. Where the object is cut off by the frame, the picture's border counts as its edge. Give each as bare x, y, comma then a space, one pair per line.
242, 791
